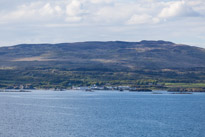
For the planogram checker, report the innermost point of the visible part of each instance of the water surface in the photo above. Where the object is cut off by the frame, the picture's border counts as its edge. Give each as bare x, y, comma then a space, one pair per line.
101, 114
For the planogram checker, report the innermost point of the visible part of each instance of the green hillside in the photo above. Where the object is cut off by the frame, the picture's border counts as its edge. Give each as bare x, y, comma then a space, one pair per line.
115, 63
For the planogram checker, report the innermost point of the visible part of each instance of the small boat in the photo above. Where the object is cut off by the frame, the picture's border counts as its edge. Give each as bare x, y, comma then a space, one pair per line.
121, 90
89, 90
181, 93
21, 90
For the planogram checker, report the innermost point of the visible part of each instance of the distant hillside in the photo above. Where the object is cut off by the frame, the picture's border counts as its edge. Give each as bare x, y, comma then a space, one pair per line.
114, 55
145, 64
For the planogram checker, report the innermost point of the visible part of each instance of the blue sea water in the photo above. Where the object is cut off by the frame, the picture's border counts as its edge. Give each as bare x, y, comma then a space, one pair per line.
101, 114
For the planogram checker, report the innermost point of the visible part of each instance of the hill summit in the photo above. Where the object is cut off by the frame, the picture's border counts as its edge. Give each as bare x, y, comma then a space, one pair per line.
104, 55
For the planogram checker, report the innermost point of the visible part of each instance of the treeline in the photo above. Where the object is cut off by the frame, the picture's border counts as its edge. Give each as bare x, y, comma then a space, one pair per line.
186, 89
65, 78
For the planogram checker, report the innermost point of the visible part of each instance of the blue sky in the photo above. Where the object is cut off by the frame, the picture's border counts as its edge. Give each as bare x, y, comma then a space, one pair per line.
57, 21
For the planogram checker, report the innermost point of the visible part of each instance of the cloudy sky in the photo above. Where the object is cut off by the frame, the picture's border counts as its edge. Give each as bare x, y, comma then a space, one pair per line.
54, 21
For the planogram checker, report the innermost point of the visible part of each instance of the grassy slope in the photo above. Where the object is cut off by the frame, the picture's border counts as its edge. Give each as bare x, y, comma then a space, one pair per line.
116, 63
107, 55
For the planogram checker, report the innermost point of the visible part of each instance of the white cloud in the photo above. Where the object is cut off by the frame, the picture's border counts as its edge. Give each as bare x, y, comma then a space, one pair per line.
119, 13
177, 8
101, 1
140, 19
46, 10
36, 11
112, 19
197, 5
101, 11
74, 11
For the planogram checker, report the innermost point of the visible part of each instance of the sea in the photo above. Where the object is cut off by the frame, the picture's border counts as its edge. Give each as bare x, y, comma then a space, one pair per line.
43, 113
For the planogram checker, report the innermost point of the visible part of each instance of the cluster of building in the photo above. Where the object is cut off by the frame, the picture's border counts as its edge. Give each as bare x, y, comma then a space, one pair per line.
120, 88
27, 86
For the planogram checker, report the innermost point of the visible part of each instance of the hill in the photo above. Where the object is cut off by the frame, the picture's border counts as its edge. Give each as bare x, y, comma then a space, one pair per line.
104, 55
144, 63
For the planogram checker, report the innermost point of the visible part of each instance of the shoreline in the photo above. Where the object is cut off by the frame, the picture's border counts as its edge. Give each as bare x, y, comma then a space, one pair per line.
74, 90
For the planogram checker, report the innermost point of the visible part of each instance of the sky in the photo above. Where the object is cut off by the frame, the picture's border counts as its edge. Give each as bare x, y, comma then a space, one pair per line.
59, 21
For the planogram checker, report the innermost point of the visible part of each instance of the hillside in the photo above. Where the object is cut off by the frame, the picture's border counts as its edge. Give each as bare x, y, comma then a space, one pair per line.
158, 63
104, 55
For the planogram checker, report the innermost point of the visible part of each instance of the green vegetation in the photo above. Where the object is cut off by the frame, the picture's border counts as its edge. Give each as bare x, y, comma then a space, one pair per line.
186, 85
145, 64
62, 78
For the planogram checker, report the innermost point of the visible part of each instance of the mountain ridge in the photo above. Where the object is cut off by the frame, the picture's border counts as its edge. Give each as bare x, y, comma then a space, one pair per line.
108, 55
